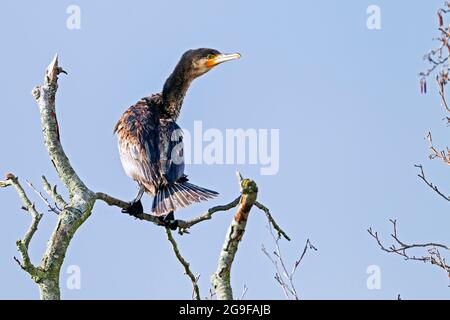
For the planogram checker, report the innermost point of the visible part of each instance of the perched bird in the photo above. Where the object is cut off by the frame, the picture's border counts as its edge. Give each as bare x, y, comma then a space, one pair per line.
151, 143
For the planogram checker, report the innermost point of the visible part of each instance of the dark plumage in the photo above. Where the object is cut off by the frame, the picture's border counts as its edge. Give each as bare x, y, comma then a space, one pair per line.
151, 143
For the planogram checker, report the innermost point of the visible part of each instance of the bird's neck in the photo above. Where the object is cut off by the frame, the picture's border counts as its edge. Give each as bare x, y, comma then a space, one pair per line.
174, 91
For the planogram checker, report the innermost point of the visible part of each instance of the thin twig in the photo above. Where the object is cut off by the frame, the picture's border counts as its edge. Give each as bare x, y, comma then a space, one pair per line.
402, 249
23, 244
187, 270
244, 292
437, 58
212, 294
283, 277
308, 245
421, 175
51, 208
277, 273
279, 256
444, 156
184, 225
272, 220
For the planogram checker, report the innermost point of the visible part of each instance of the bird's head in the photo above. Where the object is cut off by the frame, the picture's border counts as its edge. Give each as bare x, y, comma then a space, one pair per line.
193, 64
197, 62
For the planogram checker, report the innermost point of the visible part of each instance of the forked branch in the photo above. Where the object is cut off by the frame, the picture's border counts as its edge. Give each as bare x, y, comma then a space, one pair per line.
23, 244
432, 250
283, 276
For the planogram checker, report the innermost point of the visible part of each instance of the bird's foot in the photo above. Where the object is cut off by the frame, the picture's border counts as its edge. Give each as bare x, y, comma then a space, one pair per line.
169, 221
134, 209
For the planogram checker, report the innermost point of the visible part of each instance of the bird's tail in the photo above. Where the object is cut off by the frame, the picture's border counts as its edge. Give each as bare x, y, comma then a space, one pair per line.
179, 195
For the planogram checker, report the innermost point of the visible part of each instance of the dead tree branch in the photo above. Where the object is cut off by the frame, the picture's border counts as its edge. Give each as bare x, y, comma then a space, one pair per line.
272, 221
73, 214
439, 64
81, 198
111, 201
283, 276
439, 58
52, 208
183, 225
422, 176
244, 292
221, 278
433, 254
187, 270
52, 192
435, 154
23, 244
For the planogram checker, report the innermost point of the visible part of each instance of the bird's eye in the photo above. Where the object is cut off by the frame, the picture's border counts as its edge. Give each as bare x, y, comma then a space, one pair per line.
210, 56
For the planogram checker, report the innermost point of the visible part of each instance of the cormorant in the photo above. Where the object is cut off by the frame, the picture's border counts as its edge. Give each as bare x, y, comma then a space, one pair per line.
151, 143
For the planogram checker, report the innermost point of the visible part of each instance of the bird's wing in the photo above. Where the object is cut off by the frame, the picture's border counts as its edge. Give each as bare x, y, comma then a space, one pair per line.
138, 133
171, 150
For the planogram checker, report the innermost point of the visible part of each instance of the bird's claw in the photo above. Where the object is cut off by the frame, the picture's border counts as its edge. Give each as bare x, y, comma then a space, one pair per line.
135, 208
169, 221
172, 225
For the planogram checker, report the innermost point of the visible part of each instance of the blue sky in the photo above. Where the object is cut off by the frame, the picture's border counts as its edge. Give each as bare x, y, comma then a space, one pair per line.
345, 98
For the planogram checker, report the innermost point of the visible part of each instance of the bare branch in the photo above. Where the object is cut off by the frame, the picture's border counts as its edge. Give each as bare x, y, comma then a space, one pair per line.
421, 175
284, 277
81, 198
244, 292
443, 155
437, 59
52, 192
308, 246
221, 278
51, 208
23, 244
277, 277
441, 81
403, 249
123, 204
187, 270
45, 96
245, 202
284, 273
212, 294
182, 224
272, 220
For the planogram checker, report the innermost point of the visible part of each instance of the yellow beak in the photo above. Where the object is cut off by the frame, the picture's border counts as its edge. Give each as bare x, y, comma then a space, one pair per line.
221, 58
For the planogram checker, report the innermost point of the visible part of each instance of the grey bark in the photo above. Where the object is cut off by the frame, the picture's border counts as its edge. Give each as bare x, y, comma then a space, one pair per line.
81, 198
73, 212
